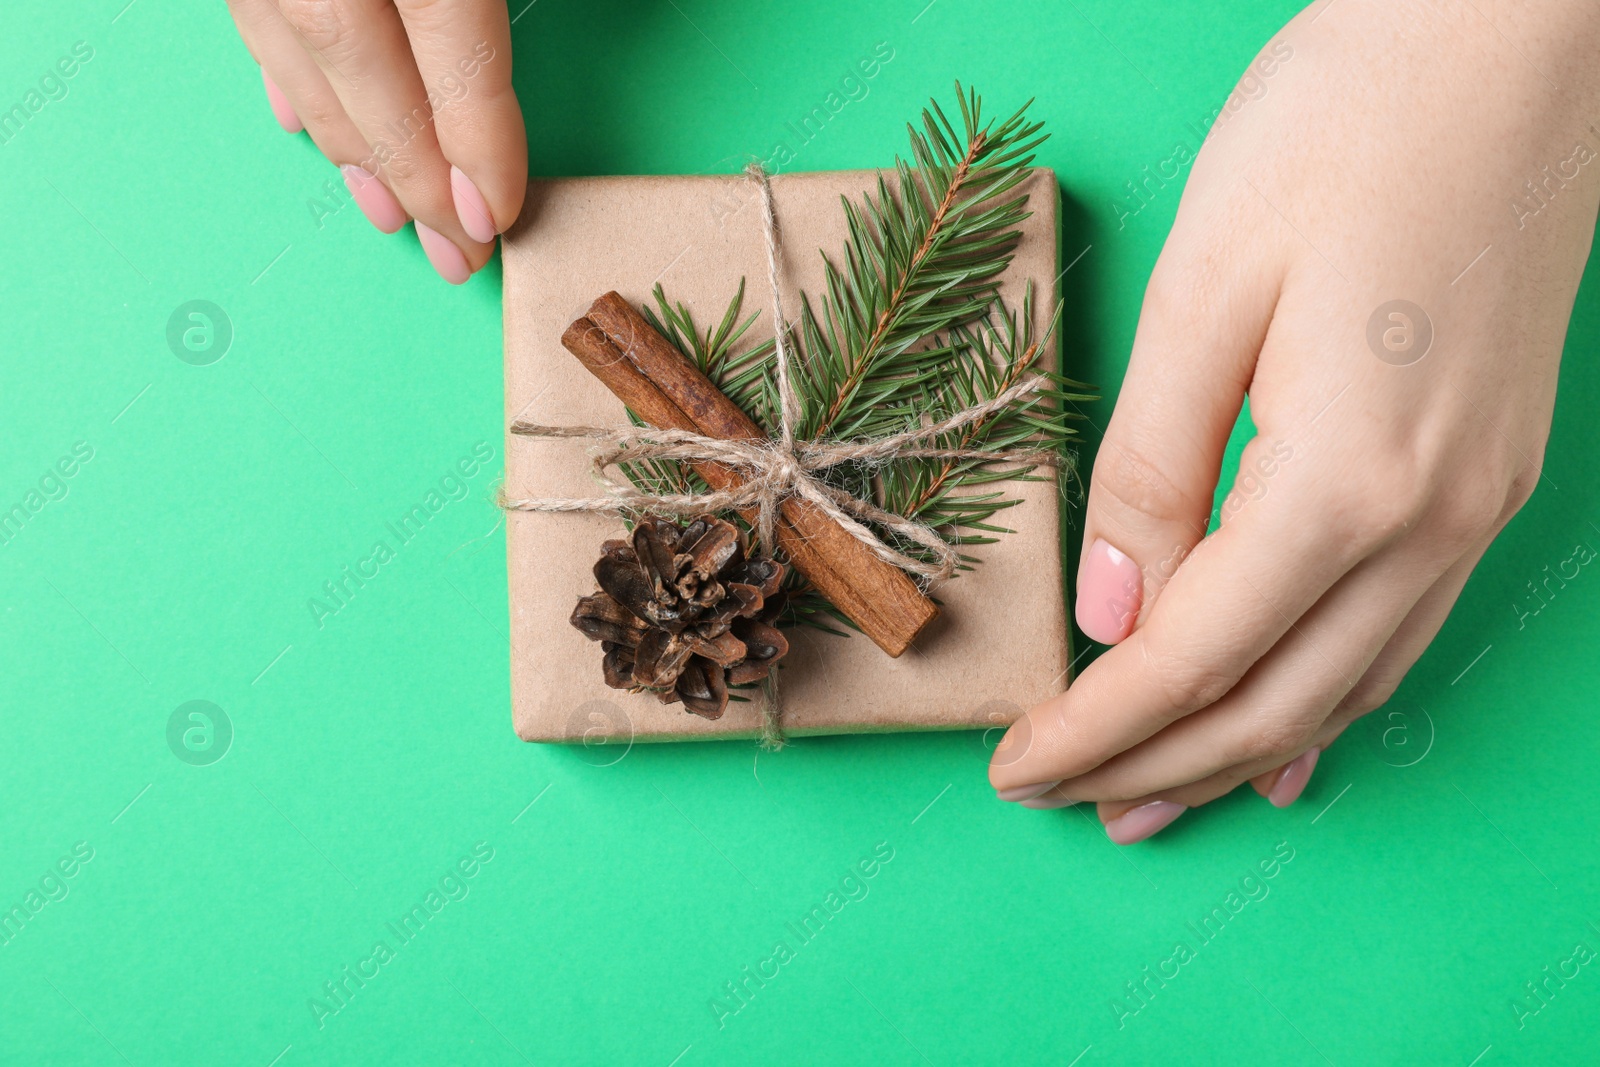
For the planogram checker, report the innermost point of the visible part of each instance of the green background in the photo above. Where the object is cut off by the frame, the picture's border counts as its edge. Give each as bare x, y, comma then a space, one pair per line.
1443, 855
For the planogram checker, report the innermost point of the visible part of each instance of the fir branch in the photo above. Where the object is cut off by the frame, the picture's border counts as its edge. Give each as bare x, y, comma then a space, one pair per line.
864, 360
910, 329
922, 260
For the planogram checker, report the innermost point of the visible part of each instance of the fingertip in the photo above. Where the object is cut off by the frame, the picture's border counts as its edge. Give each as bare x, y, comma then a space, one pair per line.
282, 110
471, 208
1048, 803
447, 259
1020, 793
1005, 774
375, 199
1292, 782
1144, 821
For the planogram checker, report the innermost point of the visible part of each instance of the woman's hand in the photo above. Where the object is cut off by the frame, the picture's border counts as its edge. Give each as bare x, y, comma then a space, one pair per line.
412, 101
1382, 248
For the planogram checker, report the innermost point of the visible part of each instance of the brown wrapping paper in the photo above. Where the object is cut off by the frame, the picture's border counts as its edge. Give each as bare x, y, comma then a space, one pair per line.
1001, 642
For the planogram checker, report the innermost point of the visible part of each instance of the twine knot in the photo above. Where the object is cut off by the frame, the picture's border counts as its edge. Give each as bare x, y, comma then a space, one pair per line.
785, 467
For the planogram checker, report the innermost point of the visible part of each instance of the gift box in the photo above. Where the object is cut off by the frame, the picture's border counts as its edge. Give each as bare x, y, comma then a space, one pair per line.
1000, 642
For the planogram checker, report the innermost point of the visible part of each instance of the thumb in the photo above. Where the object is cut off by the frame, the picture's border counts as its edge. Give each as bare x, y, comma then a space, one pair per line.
1201, 327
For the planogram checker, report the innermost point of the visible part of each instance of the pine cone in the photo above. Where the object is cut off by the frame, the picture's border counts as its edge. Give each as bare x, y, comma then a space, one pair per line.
684, 612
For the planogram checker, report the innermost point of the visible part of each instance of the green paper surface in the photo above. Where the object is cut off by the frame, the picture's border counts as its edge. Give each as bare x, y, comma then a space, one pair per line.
1442, 857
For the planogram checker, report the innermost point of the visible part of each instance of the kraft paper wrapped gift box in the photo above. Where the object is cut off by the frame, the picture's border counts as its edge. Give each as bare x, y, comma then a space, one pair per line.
1001, 642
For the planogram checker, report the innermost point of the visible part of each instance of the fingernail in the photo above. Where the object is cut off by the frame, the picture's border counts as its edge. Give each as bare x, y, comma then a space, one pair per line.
444, 255
374, 199
1109, 593
1026, 792
1047, 803
1292, 782
1141, 822
280, 106
471, 208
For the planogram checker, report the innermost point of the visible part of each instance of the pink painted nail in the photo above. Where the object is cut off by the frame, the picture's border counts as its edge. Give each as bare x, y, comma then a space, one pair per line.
1047, 803
1292, 782
374, 199
1026, 792
1141, 822
444, 255
471, 208
280, 106
1109, 594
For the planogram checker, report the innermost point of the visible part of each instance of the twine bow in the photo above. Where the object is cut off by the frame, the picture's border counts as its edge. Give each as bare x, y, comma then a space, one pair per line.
772, 470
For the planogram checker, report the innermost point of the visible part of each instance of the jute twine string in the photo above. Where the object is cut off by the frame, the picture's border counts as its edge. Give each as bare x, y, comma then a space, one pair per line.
777, 469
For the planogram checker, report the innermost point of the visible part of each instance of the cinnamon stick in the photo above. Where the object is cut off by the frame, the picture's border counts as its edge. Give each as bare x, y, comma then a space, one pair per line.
661, 362
605, 361
654, 380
